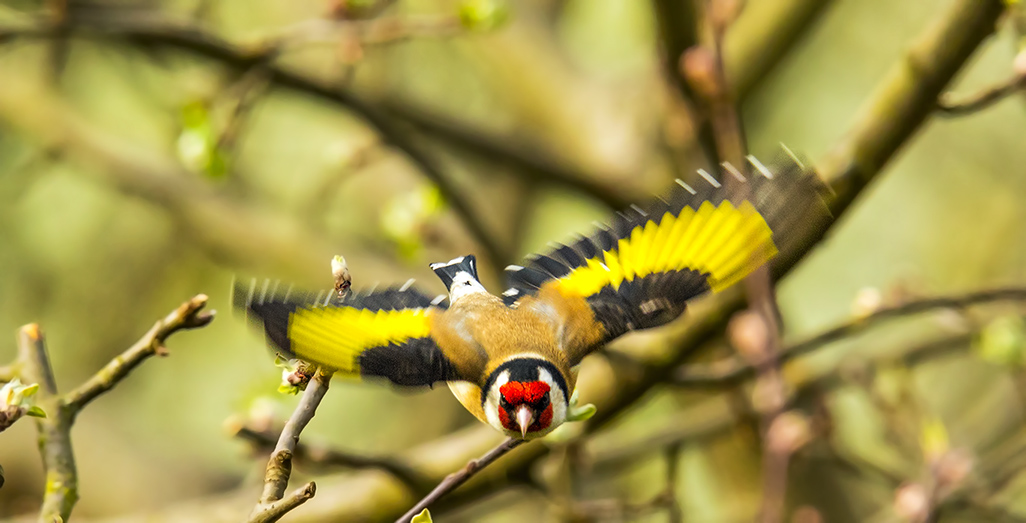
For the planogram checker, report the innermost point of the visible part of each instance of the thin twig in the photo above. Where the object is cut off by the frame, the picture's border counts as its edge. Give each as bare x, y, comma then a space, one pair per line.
322, 456
275, 510
732, 369
454, 480
279, 466
187, 316
951, 105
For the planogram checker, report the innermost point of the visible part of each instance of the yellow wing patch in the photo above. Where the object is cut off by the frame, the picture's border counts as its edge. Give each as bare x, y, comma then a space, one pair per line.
725, 242
335, 336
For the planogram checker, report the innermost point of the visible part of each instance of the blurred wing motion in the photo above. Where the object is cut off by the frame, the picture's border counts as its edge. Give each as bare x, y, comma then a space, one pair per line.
385, 334
640, 271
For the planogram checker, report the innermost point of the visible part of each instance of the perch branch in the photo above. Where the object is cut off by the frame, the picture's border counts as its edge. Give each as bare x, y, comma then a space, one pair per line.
733, 369
187, 316
454, 480
272, 506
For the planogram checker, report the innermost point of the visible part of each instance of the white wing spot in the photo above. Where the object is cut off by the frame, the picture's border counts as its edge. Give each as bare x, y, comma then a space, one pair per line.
759, 167
686, 187
734, 171
453, 261
709, 178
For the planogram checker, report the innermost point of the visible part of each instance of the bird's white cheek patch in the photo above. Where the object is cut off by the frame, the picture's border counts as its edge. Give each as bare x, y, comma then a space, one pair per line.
491, 406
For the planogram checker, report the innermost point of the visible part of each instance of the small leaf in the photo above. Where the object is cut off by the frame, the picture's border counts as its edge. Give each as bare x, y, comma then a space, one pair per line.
29, 390
423, 517
1003, 341
287, 388
581, 413
577, 412
483, 15
933, 438
35, 412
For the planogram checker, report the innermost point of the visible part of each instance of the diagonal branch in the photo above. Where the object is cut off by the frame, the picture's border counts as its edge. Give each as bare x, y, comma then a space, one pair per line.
733, 369
187, 316
950, 105
315, 455
454, 480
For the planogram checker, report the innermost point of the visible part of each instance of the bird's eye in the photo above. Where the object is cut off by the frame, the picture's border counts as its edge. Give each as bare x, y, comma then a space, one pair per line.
505, 404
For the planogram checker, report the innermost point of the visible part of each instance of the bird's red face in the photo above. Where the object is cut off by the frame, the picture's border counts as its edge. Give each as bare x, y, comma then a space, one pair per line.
525, 407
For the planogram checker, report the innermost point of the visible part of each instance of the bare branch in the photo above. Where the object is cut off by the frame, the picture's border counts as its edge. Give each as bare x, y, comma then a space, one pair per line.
762, 36
274, 511
187, 316
733, 369
951, 105
279, 467
54, 430
322, 456
454, 480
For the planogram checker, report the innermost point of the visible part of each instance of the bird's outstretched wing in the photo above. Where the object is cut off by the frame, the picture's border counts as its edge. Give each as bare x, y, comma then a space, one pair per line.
640, 270
385, 334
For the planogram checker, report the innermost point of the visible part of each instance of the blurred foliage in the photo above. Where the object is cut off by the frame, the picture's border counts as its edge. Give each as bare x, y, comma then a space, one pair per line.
95, 264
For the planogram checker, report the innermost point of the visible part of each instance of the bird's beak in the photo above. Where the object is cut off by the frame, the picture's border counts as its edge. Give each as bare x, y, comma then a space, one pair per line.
524, 418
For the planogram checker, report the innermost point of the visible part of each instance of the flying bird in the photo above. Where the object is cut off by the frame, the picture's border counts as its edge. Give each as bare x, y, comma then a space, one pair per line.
510, 359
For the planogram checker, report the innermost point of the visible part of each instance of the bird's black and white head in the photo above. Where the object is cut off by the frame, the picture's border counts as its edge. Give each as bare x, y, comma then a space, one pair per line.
459, 276
525, 397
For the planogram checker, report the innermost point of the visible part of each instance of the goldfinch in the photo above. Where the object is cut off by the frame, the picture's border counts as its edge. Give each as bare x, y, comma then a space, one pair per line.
509, 359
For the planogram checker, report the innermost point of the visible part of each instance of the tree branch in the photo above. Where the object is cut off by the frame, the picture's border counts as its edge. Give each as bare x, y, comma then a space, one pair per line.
762, 36
908, 95
272, 506
733, 369
61, 490
187, 316
33, 366
951, 105
149, 31
454, 480
321, 456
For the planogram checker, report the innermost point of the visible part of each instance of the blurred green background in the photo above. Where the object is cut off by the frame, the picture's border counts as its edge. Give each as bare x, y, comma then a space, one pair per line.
95, 263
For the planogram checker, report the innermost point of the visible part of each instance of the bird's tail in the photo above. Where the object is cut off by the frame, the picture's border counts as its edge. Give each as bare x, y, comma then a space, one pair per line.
448, 271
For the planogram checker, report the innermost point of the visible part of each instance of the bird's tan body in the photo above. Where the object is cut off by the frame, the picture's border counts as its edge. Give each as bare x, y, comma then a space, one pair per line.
478, 333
